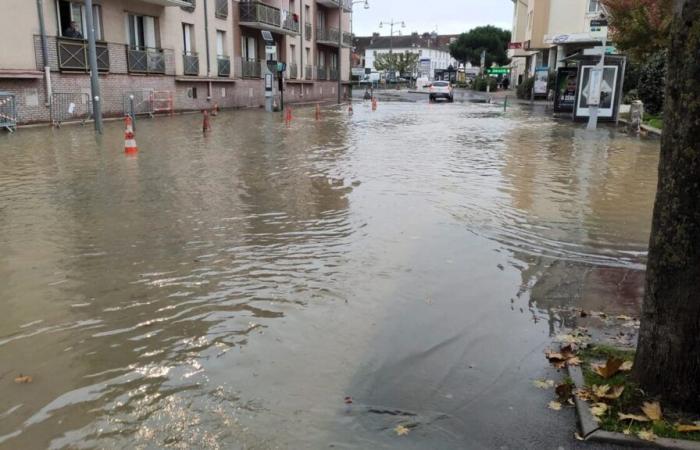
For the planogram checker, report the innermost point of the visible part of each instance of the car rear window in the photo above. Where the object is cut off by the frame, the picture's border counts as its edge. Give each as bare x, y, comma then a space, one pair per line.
441, 83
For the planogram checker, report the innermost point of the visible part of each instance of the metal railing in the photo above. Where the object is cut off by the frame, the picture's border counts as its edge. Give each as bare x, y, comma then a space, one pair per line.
347, 39
309, 72
250, 69
70, 106
223, 64
221, 9
190, 62
327, 34
138, 103
321, 73
289, 23
259, 12
333, 74
293, 71
145, 60
72, 55
308, 31
347, 4
8, 111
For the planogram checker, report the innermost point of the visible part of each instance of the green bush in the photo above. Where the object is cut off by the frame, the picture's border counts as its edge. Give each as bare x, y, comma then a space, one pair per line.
480, 83
525, 88
652, 82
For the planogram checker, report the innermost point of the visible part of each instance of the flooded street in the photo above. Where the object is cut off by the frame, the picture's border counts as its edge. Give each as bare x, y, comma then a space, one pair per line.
230, 290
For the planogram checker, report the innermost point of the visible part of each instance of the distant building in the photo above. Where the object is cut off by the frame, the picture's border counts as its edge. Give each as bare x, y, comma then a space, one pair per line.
433, 51
546, 32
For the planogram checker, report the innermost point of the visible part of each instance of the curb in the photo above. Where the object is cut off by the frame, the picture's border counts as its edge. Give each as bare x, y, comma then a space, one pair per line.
590, 431
647, 128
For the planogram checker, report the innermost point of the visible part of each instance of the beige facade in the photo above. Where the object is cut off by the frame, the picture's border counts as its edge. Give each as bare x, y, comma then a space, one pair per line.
197, 50
551, 30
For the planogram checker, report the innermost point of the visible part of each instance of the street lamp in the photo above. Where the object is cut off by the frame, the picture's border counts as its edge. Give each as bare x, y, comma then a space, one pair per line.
391, 24
352, 35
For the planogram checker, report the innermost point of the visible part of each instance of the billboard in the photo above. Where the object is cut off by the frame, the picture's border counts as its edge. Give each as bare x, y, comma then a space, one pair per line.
541, 80
565, 89
424, 67
588, 84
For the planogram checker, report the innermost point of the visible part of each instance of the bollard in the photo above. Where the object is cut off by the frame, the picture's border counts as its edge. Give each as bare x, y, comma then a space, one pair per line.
288, 115
318, 111
206, 125
505, 104
636, 116
129, 139
374, 103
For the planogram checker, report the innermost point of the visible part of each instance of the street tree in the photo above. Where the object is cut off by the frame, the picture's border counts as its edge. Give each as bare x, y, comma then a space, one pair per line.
667, 363
640, 28
493, 40
403, 62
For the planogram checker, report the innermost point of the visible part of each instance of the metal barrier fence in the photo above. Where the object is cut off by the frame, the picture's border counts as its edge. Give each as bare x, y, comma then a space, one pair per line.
138, 103
70, 106
162, 101
8, 111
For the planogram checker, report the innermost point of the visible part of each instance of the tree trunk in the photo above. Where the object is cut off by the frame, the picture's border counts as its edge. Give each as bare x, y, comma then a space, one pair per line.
667, 364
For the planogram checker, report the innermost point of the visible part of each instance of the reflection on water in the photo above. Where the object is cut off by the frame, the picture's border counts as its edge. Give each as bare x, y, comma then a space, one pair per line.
223, 290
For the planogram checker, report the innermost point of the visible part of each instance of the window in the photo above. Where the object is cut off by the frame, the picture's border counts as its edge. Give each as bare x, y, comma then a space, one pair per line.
70, 13
334, 60
187, 37
220, 43
320, 20
142, 31
593, 6
248, 48
292, 6
308, 55
321, 59
221, 9
293, 51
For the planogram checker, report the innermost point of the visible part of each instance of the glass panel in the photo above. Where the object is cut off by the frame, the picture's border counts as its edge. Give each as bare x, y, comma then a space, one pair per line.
220, 42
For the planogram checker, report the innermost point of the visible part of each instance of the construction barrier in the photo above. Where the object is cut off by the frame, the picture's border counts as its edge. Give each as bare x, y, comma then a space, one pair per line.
70, 107
162, 102
8, 111
138, 103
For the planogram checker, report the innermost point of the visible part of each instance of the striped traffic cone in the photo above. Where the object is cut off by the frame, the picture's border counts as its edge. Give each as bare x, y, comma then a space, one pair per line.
129, 140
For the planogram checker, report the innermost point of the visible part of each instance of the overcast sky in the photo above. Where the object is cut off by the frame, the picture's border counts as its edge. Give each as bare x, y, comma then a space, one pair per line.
447, 16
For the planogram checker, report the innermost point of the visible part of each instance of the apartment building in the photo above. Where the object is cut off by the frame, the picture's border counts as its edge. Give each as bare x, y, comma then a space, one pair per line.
545, 32
169, 54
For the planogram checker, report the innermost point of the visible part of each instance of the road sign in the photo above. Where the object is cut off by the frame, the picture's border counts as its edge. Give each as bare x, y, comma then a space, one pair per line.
271, 49
597, 23
498, 70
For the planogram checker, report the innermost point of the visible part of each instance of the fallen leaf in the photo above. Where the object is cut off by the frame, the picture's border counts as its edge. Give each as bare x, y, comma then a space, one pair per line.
607, 370
626, 366
606, 392
646, 435
578, 437
543, 384
583, 394
554, 405
626, 432
598, 409
624, 317
401, 430
23, 379
575, 361
652, 410
681, 428
634, 417
600, 390
564, 390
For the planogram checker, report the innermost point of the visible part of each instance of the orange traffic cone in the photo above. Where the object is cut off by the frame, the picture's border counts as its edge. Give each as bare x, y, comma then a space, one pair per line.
206, 125
129, 140
318, 111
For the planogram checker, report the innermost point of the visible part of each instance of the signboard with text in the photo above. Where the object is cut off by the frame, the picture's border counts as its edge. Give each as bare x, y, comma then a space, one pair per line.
498, 70
565, 89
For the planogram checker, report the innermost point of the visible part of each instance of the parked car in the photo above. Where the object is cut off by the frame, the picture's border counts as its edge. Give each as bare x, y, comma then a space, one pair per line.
441, 89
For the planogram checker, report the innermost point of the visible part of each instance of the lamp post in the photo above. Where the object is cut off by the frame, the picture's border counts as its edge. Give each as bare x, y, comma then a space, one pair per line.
391, 24
352, 36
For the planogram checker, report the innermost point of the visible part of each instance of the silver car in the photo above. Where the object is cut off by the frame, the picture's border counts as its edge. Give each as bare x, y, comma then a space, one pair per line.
441, 89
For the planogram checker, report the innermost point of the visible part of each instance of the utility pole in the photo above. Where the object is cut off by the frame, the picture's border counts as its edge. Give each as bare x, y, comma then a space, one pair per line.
596, 80
391, 24
92, 59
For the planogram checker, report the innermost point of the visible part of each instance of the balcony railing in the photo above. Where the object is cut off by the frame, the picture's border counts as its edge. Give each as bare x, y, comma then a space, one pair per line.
251, 69
309, 72
190, 62
221, 9
289, 23
260, 13
333, 74
223, 64
293, 71
145, 60
347, 4
308, 31
72, 55
321, 73
347, 39
330, 36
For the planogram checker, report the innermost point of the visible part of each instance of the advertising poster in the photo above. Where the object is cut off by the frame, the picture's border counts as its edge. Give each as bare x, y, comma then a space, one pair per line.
541, 78
608, 91
565, 89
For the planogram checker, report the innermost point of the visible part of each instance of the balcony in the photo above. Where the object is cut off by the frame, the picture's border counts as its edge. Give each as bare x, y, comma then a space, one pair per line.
308, 34
145, 60
223, 64
190, 62
73, 55
251, 69
180, 3
347, 4
263, 17
293, 71
321, 73
329, 36
309, 72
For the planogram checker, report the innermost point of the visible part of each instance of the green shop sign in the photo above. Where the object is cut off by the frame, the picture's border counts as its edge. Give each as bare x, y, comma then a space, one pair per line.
498, 70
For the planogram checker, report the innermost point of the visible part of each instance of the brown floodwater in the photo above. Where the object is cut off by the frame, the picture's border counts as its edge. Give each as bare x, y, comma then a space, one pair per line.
230, 290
